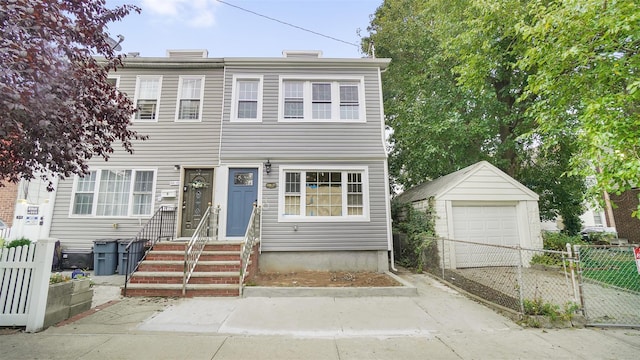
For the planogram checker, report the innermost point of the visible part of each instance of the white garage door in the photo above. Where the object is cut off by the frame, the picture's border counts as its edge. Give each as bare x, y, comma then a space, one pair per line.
494, 225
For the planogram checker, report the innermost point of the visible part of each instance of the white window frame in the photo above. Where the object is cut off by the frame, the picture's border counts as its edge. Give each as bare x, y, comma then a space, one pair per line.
201, 98
137, 94
96, 192
364, 170
335, 82
235, 97
117, 78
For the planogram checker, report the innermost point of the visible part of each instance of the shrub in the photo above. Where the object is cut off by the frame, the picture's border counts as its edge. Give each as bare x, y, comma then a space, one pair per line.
420, 248
58, 278
554, 241
539, 307
19, 242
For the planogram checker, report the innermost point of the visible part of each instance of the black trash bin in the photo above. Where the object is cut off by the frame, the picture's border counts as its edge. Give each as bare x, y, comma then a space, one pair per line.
127, 260
105, 254
76, 259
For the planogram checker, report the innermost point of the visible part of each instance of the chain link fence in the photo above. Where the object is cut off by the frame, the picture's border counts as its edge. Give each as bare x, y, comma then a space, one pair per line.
601, 282
506, 275
609, 284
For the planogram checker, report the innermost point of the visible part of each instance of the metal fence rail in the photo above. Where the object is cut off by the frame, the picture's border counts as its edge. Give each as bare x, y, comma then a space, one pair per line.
505, 275
610, 285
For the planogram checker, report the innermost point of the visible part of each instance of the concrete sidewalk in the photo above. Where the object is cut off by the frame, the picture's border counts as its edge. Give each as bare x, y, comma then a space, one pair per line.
438, 324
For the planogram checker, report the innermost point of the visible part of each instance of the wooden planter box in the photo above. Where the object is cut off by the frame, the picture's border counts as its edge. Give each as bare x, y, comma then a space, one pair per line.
67, 299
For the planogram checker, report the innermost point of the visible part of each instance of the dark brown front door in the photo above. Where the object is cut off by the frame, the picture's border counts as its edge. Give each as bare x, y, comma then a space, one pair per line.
198, 194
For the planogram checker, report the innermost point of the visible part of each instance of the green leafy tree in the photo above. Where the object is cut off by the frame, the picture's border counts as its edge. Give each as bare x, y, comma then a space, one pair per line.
57, 109
586, 61
454, 95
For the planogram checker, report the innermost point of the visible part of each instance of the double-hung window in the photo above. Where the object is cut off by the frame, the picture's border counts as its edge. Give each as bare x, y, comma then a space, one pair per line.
322, 100
323, 194
114, 193
147, 98
247, 98
190, 98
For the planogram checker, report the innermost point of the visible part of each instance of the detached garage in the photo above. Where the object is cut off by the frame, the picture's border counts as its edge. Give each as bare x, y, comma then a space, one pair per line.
481, 204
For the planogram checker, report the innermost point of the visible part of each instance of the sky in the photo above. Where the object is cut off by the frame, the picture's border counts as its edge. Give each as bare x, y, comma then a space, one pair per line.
226, 31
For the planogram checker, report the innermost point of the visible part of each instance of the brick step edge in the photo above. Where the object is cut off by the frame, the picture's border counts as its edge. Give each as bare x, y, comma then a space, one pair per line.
181, 274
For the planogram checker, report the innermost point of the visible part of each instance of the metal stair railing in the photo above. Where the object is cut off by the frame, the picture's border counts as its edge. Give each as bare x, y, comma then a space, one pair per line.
161, 225
206, 231
251, 237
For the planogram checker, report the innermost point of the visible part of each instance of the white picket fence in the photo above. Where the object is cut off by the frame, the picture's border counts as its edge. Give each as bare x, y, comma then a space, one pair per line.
5, 233
24, 284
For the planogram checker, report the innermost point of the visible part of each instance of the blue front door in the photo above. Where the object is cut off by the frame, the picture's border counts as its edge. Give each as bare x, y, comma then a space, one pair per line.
243, 192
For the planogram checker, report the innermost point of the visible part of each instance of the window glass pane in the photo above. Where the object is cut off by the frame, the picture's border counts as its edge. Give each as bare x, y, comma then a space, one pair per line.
248, 99
348, 93
113, 194
248, 89
83, 204
293, 99
189, 109
83, 199
321, 111
355, 204
148, 88
349, 106
146, 109
321, 92
143, 193
191, 88
293, 109
243, 179
247, 110
294, 89
292, 193
324, 194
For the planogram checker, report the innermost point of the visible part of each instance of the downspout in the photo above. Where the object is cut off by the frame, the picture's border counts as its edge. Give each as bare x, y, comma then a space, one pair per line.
392, 261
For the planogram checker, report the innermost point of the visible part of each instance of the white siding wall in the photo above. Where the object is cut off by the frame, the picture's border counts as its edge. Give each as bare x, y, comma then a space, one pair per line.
170, 143
305, 140
313, 144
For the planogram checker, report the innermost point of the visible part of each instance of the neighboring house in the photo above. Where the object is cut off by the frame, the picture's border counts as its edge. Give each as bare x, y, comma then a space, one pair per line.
302, 136
8, 197
479, 203
627, 226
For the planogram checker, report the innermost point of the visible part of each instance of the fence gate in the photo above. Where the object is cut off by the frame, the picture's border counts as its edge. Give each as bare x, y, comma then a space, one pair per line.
609, 285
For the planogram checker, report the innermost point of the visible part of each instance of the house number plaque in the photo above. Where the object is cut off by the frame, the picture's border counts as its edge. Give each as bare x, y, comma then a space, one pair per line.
270, 185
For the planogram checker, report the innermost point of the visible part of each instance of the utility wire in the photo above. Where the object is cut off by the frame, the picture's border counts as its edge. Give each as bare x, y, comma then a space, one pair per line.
288, 24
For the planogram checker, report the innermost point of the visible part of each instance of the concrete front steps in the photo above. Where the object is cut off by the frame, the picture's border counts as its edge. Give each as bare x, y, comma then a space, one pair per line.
160, 273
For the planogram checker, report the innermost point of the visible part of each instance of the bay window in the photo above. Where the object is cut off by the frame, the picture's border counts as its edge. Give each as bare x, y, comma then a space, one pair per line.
114, 193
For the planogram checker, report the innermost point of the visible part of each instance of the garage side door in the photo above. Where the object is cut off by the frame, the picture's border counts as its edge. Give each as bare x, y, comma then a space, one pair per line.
494, 225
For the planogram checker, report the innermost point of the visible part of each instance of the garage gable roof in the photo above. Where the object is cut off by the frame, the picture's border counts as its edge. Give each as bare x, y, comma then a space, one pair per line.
440, 186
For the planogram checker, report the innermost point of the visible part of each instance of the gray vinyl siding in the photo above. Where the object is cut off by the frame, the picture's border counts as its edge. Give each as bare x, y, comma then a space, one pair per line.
328, 236
304, 140
170, 143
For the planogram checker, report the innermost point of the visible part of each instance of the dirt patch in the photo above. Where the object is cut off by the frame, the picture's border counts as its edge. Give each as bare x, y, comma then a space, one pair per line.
324, 279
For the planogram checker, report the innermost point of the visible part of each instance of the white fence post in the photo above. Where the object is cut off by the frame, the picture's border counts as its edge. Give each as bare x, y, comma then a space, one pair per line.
42, 273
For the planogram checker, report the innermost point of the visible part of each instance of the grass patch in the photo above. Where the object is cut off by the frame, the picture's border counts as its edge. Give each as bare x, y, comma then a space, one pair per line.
613, 267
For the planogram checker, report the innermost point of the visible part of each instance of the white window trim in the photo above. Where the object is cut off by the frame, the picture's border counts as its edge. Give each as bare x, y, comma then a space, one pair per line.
234, 97
189, 77
96, 191
335, 94
117, 78
137, 91
365, 217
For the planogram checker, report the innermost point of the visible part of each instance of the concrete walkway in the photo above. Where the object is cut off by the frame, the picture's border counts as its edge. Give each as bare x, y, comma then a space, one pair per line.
438, 324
